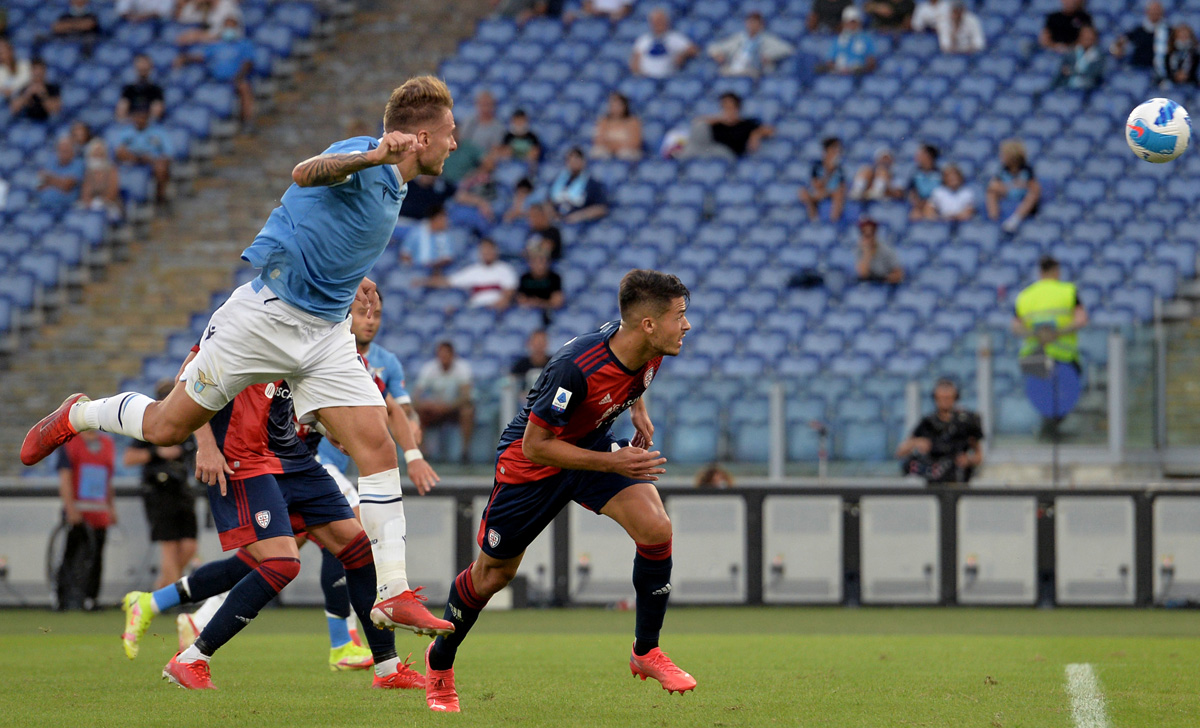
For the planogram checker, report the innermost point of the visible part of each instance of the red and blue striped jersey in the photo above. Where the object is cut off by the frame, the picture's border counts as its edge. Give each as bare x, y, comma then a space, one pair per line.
581, 391
257, 432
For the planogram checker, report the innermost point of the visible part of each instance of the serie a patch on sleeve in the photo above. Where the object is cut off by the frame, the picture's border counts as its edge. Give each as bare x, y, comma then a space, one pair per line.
560, 400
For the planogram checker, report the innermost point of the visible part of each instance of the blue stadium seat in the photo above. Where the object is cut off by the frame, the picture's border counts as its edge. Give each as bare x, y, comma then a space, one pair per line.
861, 441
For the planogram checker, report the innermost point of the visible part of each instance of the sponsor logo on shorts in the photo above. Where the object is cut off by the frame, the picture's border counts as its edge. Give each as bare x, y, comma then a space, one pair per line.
648, 378
202, 381
269, 391
262, 518
493, 538
560, 400
661, 592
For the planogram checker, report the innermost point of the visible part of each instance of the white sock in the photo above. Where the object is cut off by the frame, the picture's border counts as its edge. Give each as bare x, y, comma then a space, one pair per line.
207, 610
121, 414
387, 667
191, 654
352, 623
382, 509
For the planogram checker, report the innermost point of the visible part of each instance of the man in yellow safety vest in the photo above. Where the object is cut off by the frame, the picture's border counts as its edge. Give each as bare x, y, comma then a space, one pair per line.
1048, 315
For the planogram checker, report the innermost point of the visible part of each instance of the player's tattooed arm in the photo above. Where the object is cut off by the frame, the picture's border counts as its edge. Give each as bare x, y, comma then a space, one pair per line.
324, 170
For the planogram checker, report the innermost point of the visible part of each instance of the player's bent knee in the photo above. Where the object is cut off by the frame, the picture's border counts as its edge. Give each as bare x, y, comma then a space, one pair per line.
656, 529
494, 577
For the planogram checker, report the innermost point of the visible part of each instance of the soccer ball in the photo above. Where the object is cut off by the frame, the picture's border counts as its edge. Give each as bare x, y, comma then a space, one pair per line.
1158, 130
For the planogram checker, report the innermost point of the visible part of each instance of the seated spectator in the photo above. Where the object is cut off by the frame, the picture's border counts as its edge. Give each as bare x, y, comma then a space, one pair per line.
207, 18
961, 31
876, 181
540, 287
1015, 185
543, 235
520, 200
430, 245
39, 100
826, 15
478, 133
230, 59
890, 16
519, 141
426, 194
144, 144
537, 354
491, 282
924, 181
827, 182
81, 134
952, 201
751, 52
79, 23
479, 191
101, 182
618, 133
662, 51
611, 10
14, 72
928, 15
143, 93
522, 11
138, 11
575, 195
853, 51
945, 445
58, 181
1083, 68
728, 135
1061, 31
443, 394
1146, 45
714, 476
1183, 56
877, 261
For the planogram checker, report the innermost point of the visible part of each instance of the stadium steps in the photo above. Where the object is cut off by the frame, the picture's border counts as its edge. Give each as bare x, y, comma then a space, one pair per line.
183, 260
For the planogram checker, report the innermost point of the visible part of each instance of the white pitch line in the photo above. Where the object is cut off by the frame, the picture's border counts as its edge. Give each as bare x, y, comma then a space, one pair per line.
1087, 702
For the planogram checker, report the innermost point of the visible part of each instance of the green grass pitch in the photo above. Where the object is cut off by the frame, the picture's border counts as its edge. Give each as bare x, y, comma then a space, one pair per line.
840, 668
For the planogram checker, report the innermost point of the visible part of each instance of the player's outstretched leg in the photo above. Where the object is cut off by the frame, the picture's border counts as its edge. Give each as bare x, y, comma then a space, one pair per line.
140, 607
343, 653
469, 594
189, 668
652, 583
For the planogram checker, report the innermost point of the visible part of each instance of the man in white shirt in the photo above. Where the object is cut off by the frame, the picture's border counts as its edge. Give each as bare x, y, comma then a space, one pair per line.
491, 281
752, 51
961, 31
613, 10
929, 15
662, 51
443, 394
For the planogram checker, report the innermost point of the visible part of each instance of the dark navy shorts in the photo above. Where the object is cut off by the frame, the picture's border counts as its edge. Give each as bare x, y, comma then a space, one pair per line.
267, 506
517, 513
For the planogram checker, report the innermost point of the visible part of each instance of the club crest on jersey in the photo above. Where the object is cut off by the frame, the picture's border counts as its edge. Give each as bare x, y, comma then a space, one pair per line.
202, 381
262, 518
493, 538
648, 378
560, 400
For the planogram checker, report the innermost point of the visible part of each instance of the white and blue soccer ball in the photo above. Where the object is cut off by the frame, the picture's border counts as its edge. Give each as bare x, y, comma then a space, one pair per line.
1158, 130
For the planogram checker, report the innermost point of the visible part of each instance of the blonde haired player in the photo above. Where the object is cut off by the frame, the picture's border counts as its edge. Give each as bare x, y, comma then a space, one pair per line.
292, 323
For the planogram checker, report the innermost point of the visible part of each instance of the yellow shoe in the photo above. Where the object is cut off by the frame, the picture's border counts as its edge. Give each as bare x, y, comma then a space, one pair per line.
139, 610
350, 657
187, 630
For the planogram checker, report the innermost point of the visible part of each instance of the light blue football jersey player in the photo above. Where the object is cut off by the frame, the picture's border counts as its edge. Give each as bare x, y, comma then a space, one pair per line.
320, 242
384, 365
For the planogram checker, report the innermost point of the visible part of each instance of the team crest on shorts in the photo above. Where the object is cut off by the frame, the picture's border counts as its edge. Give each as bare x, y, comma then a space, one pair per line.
202, 381
648, 378
263, 518
493, 538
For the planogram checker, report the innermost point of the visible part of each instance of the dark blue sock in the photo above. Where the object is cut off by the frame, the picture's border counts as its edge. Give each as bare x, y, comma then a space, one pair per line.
333, 585
462, 610
652, 583
216, 577
359, 566
245, 600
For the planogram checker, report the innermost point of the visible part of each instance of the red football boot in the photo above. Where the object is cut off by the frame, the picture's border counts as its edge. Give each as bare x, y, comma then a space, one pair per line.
46, 436
404, 678
657, 665
190, 675
440, 694
407, 611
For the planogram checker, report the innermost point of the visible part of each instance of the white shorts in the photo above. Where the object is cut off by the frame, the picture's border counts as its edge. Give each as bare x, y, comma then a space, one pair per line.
255, 337
343, 482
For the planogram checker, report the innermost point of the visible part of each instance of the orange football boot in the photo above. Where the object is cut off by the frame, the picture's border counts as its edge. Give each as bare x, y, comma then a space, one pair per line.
407, 611
404, 678
46, 436
440, 694
190, 675
657, 665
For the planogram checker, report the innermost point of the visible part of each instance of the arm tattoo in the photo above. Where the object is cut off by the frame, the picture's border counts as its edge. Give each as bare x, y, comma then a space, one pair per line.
329, 169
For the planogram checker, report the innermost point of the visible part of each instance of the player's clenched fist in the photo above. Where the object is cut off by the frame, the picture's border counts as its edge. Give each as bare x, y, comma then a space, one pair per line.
634, 462
394, 147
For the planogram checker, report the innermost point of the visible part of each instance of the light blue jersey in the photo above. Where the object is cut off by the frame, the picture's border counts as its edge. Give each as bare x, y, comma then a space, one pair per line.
385, 367
330, 455
321, 241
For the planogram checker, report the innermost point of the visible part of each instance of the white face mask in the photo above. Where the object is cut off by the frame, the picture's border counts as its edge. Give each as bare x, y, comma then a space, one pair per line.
96, 164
